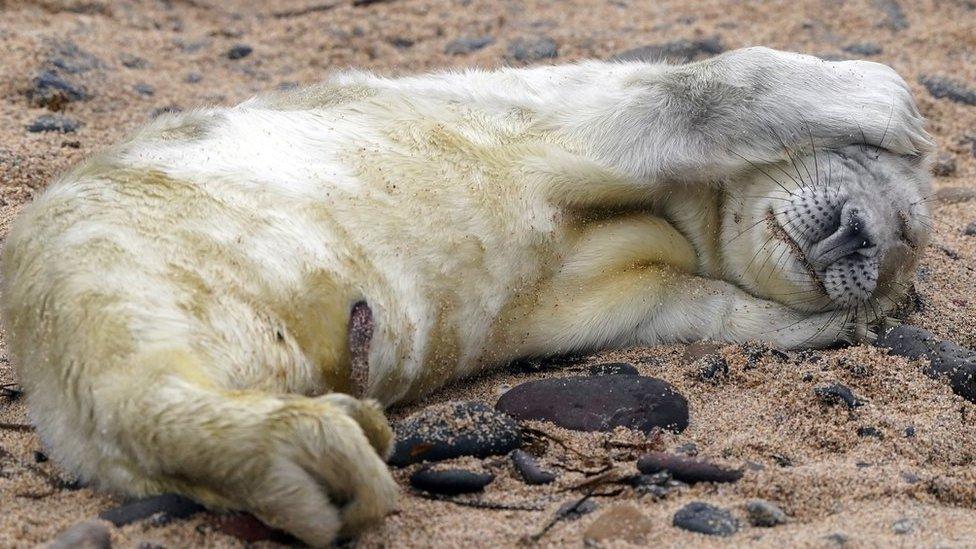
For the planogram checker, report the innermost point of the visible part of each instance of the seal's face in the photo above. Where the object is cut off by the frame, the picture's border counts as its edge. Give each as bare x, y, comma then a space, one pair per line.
837, 229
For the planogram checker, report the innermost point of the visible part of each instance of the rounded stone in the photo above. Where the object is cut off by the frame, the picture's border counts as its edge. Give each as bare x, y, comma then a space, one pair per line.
450, 482
451, 430
707, 519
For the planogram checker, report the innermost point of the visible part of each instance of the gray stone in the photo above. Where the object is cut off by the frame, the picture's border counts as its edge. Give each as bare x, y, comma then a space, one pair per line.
707, 519
450, 482
946, 360
144, 89
468, 44
894, 16
527, 49
52, 91
970, 229
947, 88
686, 469
452, 430
91, 534
765, 514
240, 51
903, 526
944, 165
53, 123
836, 393
863, 48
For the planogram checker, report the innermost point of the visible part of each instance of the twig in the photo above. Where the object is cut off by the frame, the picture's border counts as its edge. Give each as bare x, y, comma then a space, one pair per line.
556, 518
495, 506
556, 439
302, 11
611, 476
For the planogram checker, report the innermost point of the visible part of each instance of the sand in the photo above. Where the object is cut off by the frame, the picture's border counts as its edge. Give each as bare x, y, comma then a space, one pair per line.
799, 453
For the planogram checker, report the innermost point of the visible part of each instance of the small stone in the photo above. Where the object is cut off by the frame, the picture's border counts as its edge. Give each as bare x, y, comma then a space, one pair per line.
144, 89
527, 466
452, 430
402, 43
613, 369
527, 49
240, 51
910, 431
450, 482
91, 534
863, 48
688, 449
468, 44
955, 195
150, 545
944, 165
132, 61
621, 522
573, 510
66, 56
53, 123
39, 456
869, 431
836, 394
970, 229
193, 78
765, 514
894, 16
707, 519
686, 469
838, 539
711, 369
947, 88
599, 403
678, 51
946, 360
174, 505
903, 526
53, 92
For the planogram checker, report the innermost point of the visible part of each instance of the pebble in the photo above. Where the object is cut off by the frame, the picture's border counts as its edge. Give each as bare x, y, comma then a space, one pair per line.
678, 51
944, 165
529, 468
240, 51
451, 430
711, 369
836, 394
838, 539
573, 510
599, 403
53, 123
621, 522
68, 57
193, 78
903, 526
54, 92
144, 89
863, 48
894, 15
945, 359
173, 505
686, 469
970, 229
941, 87
468, 44
91, 534
527, 49
132, 61
765, 514
869, 431
613, 369
707, 519
450, 482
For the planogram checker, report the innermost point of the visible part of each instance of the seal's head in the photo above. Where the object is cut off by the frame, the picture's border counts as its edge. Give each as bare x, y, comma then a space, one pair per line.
836, 229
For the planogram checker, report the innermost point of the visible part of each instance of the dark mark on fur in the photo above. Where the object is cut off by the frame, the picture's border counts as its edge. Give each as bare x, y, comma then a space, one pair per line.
359, 338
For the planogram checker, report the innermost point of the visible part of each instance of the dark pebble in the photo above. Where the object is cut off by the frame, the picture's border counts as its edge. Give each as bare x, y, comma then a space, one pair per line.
68, 57
970, 229
613, 369
869, 431
133, 61
945, 359
707, 519
944, 165
402, 43
450, 482
765, 514
838, 539
240, 51
688, 449
91, 534
527, 49
174, 505
599, 403
947, 88
903, 526
572, 510
894, 16
144, 89
452, 430
529, 468
686, 469
53, 123
910, 431
711, 369
679, 51
863, 48
836, 394
468, 44
39, 456
193, 78
53, 92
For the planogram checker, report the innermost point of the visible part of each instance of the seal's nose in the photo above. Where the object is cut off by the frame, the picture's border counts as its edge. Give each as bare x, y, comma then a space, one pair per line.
850, 235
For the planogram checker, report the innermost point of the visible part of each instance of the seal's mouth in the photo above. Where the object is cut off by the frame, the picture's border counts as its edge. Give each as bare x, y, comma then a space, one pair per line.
794, 249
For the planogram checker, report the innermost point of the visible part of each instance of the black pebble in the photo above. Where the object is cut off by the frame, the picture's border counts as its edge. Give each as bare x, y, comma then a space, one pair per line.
686, 469
945, 359
837, 393
707, 519
599, 403
452, 430
173, 505
239, 51
39, 456
532, 48
144, 89
450, 482
53, 123
613, 369
527, 466
947, 88
869, 431
910, 431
